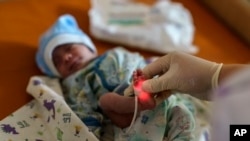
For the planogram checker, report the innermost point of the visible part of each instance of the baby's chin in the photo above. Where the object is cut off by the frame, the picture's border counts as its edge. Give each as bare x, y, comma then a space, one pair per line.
82, 64
79, 67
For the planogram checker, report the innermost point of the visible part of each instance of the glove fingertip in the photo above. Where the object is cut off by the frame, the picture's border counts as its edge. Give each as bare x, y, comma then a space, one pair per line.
147, 86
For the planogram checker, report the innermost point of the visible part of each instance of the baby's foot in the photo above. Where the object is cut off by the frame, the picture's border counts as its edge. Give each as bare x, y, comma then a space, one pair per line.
146, 100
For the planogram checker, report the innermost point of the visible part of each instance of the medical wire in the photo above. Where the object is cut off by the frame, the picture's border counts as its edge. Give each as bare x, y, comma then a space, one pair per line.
135, 114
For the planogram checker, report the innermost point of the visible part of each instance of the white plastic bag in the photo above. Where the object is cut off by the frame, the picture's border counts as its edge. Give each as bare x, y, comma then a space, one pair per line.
161, 28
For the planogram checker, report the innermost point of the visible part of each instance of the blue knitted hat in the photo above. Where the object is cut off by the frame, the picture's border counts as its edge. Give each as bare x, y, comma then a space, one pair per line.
65, 30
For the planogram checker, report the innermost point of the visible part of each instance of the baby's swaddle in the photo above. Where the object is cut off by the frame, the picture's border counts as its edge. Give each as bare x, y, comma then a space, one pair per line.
171, 120
112, 72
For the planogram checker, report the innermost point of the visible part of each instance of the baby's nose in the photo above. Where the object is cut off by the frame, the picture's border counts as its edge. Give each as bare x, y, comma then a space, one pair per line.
67, 57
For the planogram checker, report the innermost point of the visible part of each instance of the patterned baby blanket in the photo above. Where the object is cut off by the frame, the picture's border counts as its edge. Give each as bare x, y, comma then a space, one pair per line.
48, 118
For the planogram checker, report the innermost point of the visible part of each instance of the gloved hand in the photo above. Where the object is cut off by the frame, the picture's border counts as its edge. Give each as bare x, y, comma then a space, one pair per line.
181, 72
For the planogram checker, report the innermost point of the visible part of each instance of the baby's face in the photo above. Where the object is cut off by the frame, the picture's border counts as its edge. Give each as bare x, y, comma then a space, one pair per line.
69, 58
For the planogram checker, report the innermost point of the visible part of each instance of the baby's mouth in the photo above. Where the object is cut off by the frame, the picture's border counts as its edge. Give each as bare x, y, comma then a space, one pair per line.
74, 65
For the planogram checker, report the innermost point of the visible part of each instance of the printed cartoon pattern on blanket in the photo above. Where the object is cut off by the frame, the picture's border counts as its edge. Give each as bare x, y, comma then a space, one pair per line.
45, 118
172, 120
186, 119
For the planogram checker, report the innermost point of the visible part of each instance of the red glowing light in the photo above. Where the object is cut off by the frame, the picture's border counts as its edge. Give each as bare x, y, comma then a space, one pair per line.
142, 95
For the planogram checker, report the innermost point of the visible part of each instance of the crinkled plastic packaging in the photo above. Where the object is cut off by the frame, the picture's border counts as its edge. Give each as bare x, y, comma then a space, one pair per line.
163, 27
